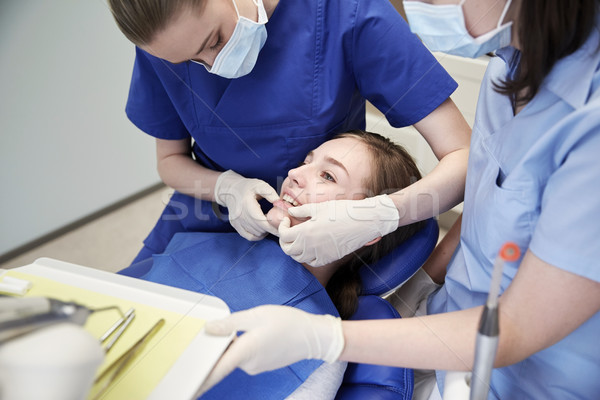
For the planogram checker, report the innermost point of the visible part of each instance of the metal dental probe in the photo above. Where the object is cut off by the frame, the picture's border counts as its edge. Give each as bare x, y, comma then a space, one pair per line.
19, 316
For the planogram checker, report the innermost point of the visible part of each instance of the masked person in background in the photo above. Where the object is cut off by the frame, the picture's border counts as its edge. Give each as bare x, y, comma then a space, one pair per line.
252, 85
532, 179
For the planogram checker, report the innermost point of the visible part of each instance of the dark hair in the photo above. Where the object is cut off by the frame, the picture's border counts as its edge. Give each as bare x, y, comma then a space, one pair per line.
548, 30
141, 20
392, 169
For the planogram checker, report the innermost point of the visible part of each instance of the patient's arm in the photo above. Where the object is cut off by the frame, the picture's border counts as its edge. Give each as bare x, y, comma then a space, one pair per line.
321, 384
436, 264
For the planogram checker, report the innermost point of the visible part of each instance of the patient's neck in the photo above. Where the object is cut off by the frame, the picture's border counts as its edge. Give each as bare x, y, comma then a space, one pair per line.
324, 273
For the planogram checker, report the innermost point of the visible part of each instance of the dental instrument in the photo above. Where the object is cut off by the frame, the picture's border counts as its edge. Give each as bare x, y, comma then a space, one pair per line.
121, 363
19, 316
123, 322
487, 335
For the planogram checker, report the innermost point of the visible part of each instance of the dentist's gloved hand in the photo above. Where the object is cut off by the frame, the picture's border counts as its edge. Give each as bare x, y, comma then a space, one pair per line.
240, 195
275, 336
336, 228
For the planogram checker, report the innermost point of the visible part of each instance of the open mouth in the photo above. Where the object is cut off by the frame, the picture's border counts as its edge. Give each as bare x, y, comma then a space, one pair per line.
286, 201
289, 199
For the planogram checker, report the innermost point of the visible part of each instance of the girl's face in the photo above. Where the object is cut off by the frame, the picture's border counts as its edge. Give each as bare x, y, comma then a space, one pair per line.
199, 34
338, 169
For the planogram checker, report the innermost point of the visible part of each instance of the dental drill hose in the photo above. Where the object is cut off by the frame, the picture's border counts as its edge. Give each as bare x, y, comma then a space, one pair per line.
489, 327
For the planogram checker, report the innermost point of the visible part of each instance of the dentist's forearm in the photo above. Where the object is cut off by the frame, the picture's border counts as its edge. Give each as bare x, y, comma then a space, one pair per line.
437, 192
179, 171
438, 261
186, 176
447, 341
431, 342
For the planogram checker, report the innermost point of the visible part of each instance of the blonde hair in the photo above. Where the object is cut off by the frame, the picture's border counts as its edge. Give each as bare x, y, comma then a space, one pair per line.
141, 20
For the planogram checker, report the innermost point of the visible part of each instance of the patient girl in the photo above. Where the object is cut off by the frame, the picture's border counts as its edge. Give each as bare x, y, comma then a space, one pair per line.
353, 165
246, 274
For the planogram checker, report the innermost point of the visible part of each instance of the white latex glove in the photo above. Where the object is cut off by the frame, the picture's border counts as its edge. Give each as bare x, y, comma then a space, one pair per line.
240, 195
336, 228
276, 336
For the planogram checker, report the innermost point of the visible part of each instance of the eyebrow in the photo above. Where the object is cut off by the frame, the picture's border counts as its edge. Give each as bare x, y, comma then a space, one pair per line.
330, 160
337, 163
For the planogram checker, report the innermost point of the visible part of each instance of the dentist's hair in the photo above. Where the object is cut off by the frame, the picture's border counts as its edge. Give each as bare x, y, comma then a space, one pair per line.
392, 169
141, 20
548, 30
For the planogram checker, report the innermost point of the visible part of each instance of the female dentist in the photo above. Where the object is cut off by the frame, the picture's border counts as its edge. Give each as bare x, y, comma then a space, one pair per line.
252, 85
533, 178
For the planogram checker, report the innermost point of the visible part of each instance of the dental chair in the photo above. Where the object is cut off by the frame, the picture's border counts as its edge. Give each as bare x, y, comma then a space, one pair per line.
367, 381
374, 382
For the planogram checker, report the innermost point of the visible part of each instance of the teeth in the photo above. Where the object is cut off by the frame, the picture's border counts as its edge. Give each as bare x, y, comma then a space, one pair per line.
289, 199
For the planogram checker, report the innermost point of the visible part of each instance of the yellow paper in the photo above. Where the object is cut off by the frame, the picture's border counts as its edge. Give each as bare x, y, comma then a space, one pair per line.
158, 355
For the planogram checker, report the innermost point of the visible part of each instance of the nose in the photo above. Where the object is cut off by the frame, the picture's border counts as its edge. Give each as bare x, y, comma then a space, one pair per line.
298, 175
208, 60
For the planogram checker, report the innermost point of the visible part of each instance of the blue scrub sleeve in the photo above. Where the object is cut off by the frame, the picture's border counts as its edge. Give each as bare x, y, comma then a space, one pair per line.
394, 70
148, 105
568, 230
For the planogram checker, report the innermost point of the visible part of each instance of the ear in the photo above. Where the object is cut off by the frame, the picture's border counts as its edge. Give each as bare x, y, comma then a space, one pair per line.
372, 242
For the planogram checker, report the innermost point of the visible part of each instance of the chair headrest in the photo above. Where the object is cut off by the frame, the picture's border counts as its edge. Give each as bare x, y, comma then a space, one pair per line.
399, 265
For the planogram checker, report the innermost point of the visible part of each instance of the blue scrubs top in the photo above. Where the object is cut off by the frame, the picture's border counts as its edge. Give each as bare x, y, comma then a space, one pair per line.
534, 179
321, 60
244, 274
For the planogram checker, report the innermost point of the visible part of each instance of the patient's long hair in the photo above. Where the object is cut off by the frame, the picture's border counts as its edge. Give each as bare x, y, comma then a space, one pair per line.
393, 169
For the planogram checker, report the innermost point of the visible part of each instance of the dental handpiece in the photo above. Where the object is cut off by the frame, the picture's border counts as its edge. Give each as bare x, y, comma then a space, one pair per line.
19, 316
489, 328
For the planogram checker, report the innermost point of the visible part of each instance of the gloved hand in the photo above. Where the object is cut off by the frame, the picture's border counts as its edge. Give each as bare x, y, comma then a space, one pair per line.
240, 195
276, 336
336, 228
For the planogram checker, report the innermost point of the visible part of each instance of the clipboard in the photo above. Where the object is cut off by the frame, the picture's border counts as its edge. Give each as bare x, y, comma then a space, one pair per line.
186, 311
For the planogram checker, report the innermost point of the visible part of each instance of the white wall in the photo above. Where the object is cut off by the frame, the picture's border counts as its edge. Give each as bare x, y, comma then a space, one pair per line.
66, 146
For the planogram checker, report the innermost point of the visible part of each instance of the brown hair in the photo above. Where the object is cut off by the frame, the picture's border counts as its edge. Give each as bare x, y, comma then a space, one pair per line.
141, 20
548, 30
392, 169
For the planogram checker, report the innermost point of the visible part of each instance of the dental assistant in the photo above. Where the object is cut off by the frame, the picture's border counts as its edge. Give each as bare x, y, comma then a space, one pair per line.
533, 178
252, 85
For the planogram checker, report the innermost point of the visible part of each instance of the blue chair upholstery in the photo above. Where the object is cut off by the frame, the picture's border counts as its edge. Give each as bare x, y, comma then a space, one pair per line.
374, 382
399, 265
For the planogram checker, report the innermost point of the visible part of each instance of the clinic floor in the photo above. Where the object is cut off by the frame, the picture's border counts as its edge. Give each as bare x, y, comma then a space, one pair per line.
107, 243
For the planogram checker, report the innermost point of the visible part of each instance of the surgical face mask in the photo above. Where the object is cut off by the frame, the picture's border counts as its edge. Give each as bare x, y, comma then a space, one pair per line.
238, 56
443, 28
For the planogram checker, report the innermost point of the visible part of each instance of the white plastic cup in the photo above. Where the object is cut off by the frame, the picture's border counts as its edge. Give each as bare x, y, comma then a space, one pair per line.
55, 363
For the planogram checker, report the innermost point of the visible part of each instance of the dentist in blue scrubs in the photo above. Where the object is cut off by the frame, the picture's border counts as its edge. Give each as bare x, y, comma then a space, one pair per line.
533, 178
236, 92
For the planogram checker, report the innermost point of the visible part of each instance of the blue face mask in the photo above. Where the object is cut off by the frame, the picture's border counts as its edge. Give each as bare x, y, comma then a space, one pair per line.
442, 28
238, 56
